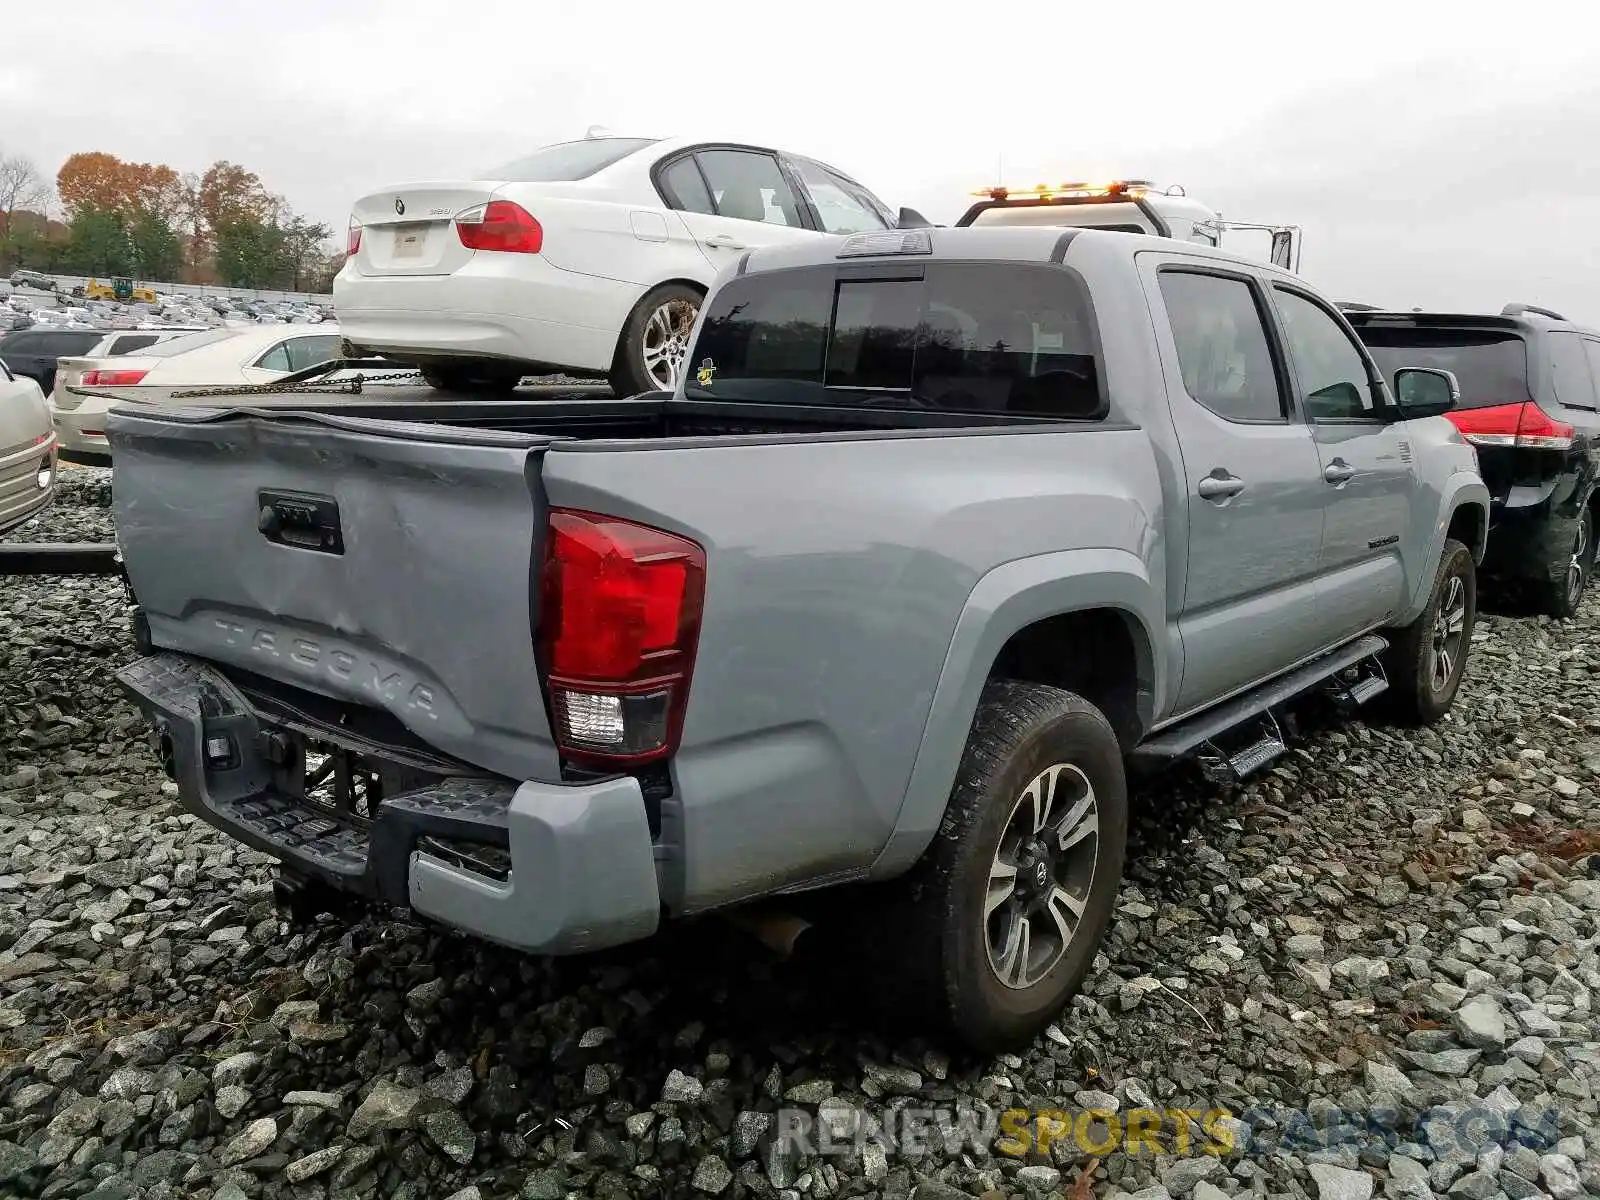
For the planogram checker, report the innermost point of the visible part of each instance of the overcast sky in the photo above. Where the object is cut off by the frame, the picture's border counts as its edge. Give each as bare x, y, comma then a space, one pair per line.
1441, 155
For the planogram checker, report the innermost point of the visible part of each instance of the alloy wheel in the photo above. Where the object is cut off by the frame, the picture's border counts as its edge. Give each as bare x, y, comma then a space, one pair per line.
666, 341
1578, 564
1040, 876
1449, 628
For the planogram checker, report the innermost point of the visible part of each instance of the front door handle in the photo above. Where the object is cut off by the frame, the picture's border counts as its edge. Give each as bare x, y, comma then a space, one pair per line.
1338, 472
1220, 486
723, 242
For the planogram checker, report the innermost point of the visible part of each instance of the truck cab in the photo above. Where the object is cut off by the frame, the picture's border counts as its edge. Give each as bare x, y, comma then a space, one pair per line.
1123, 206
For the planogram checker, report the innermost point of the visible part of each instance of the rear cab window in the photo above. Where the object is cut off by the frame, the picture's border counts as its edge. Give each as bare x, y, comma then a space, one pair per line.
969, 338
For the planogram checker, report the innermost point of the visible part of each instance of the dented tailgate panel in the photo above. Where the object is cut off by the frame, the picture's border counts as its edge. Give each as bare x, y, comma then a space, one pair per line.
375, 562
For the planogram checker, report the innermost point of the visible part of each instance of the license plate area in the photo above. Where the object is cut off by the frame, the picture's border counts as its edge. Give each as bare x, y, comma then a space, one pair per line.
410, 240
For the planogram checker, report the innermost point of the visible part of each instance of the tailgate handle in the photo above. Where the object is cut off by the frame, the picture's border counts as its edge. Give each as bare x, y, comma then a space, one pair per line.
300, 521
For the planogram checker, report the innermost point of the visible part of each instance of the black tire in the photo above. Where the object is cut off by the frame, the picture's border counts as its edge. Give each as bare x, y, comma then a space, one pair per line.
1418, 693
629, 376
471, 377
936, 949
1562, 595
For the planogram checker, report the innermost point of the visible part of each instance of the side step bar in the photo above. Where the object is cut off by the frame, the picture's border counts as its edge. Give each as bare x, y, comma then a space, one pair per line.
1351, 675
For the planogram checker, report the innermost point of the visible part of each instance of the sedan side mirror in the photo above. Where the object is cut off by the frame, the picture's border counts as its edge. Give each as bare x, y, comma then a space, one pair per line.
910, 218
1425, 392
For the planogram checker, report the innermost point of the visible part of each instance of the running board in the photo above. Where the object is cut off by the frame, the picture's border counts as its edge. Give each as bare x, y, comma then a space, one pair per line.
1199, 734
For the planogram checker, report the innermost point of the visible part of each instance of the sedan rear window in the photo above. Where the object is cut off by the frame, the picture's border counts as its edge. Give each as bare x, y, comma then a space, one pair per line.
191, 341
968, 338
1491, 365
567, 161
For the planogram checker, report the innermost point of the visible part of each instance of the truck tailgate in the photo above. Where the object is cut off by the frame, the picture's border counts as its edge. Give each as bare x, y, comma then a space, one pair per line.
349, 557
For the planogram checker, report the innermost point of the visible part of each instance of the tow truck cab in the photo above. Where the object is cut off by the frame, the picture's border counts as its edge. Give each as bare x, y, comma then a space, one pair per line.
1126, 206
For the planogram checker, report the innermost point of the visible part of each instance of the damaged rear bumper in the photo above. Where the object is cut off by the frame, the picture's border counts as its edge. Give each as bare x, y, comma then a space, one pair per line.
548, 868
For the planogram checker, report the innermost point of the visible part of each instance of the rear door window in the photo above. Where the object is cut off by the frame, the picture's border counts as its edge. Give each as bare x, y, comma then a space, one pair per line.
685, 189
1220, 334
969, 338
1491, 365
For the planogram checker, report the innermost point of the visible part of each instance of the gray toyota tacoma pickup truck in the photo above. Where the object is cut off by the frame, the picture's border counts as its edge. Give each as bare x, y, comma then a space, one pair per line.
943, 534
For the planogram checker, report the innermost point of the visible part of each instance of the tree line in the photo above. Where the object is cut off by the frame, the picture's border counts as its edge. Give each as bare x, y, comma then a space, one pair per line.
148, 221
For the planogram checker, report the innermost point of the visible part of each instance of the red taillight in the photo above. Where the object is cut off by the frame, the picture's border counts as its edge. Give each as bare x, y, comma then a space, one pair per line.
500, 225
112, 378
619, 620
353, 239
1523, 425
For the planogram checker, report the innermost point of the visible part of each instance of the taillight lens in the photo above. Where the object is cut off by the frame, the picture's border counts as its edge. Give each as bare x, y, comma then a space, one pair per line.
619, 621
353, 239
112, 378
500, 225
1524, 425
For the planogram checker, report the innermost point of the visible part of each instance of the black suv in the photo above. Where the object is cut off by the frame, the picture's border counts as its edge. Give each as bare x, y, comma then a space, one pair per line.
33, 352
1530, 403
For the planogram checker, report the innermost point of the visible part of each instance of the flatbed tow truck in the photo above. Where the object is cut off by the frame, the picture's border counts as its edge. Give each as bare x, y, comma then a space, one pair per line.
1126, 206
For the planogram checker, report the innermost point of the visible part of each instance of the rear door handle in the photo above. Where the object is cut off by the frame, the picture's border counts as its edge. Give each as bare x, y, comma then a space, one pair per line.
1220, 486
723, 242
1338, 472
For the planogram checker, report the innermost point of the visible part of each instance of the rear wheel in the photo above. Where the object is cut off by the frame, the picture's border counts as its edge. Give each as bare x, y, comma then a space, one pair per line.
654, 341
1427, 658
471, 377
1563, 594
997, 926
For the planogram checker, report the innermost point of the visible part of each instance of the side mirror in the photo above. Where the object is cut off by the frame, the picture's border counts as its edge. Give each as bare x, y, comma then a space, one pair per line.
1425, 392
910, 218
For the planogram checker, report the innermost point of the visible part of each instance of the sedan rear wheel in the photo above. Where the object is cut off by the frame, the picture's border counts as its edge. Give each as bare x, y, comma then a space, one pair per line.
655, 341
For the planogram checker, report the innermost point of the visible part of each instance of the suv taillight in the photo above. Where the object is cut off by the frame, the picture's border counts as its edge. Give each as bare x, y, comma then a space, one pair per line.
619, 621
353, 238
500, 225
112, 378
1523, 425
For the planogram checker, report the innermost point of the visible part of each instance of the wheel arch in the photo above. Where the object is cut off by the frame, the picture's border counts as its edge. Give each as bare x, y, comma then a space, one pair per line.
685, 281
1027, 619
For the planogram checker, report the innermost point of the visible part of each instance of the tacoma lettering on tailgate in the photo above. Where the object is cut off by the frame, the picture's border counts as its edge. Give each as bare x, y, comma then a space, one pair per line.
367, 674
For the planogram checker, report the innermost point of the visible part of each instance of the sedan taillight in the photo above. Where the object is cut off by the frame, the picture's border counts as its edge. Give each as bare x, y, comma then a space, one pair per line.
500, 225
112, 378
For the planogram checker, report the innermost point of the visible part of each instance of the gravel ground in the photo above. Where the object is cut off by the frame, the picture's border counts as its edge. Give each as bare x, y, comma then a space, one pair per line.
1392, 922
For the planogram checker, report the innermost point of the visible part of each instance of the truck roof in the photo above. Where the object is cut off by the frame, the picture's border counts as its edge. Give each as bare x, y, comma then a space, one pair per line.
1016, 243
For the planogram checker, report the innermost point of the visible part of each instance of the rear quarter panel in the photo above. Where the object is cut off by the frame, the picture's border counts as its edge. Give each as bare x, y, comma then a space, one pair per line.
837, 572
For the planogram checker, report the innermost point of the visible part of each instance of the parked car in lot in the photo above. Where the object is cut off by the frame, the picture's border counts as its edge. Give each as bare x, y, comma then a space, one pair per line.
27, 451
894, 587
32, 279
225, 357
587, 257
1530, 403
34, 352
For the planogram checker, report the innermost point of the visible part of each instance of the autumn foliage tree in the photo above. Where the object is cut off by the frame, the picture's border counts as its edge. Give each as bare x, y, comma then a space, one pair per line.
147, 219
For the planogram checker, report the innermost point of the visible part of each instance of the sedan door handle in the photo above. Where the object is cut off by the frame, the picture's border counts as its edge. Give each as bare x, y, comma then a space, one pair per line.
1220, 486
1338, 472
723, 242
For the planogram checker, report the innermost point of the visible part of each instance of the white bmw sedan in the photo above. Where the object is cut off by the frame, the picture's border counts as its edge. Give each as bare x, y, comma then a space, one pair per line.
588, 257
